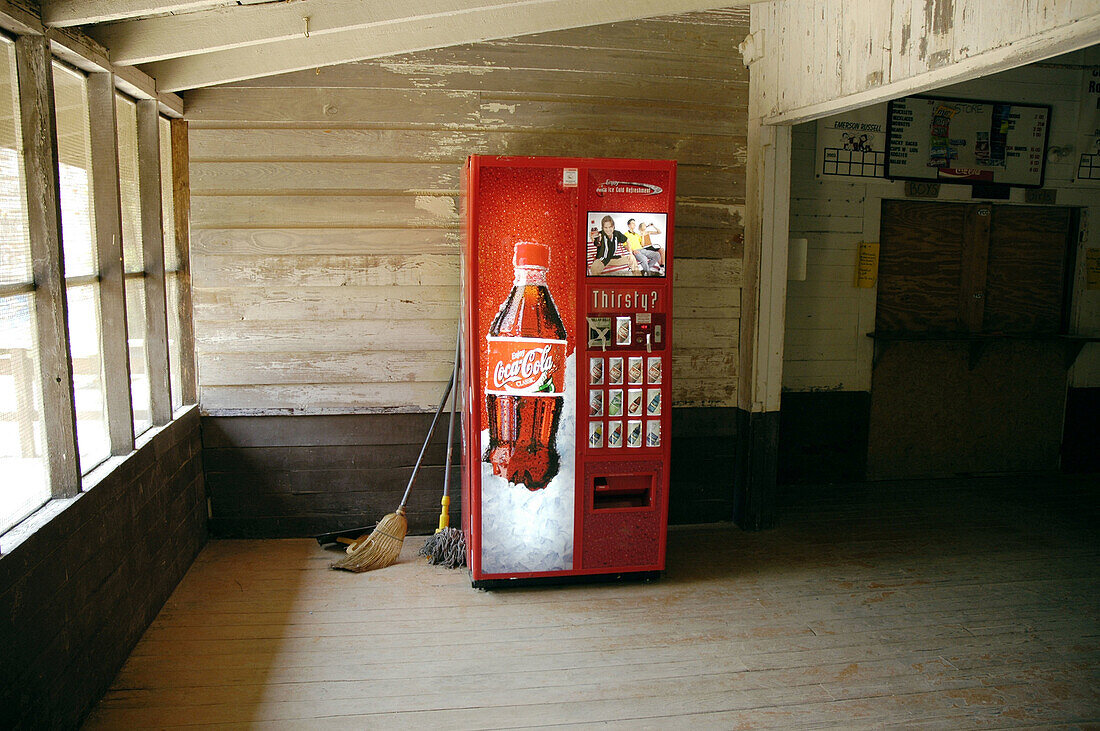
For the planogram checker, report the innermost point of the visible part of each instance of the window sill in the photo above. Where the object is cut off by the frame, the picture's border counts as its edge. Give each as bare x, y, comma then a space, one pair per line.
34, 522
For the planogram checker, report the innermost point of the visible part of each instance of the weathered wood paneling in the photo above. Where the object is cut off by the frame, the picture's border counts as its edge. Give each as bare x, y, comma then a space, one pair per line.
845, 57
325, 228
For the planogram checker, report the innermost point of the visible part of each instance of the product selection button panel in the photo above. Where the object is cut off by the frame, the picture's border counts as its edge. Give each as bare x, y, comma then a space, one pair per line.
627, 319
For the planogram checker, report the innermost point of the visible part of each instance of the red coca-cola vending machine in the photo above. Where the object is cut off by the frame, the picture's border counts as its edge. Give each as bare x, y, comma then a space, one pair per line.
567, 314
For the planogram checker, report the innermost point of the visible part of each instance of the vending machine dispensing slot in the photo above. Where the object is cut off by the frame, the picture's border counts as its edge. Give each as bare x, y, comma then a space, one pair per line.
615, 492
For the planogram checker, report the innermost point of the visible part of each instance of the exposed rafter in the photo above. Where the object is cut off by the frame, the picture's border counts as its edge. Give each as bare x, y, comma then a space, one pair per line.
406, 32
228, 27
64, 13
77, 48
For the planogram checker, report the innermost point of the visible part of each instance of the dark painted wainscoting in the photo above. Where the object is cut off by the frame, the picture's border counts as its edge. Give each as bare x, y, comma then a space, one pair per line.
78, 591
755, 495
286, 476
823, 436
292, 476
1081, 436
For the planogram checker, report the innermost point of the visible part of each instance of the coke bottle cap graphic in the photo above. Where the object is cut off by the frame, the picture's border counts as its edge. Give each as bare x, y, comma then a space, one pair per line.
531, 254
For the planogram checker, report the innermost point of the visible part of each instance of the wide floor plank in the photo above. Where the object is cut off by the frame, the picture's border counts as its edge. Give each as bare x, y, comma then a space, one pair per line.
942, 604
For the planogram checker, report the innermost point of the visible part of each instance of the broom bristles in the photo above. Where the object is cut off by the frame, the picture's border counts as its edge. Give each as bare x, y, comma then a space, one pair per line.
380, 549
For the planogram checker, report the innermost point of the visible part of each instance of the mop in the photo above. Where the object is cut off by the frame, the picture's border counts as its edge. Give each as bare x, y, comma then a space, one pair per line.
382, 547
447, 546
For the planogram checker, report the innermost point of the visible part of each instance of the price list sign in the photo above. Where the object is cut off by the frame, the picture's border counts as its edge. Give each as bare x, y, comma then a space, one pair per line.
956, 140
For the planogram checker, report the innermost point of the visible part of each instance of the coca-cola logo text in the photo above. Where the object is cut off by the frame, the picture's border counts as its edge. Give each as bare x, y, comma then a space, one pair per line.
525, 366
525, 369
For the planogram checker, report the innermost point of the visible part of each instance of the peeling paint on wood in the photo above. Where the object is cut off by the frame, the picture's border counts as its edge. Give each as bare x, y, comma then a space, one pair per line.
939, 15
325, 209
884, 50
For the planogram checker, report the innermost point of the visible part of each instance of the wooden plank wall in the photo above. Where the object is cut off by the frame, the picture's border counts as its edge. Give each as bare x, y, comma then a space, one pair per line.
325, 240
325, 204
826, 348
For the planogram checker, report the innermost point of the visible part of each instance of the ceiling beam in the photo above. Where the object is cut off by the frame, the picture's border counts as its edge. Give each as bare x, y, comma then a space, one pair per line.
475, 24
228, 27
65, 13
83, 52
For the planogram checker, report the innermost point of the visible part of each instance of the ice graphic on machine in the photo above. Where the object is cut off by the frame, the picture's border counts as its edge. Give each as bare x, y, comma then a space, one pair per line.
567, 305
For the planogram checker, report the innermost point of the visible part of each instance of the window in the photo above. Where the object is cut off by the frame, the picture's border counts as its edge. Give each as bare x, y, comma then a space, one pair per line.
133, 260
172, 264
81, 266
22, 427
96, 235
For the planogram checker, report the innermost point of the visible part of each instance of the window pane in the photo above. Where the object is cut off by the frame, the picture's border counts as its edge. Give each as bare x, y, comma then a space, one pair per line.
133, 260
172, 291
85, 343
171, 263
126, 112
91, 409
139, 364
26, 484
70, 98
15, 250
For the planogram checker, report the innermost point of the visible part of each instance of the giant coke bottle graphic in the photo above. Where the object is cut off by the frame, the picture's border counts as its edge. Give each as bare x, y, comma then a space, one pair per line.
525, 375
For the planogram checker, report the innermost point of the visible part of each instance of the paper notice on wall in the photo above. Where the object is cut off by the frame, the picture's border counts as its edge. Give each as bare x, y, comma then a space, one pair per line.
1088, 131
1092, 269
867, 264
853, 144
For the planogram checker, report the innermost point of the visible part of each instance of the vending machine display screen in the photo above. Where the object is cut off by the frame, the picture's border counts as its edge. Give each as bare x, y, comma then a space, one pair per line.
626, 244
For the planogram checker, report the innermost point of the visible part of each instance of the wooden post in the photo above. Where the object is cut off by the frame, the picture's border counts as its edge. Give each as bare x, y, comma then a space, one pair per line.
181, 197
39, 127
152, 243
763, 309
108, 235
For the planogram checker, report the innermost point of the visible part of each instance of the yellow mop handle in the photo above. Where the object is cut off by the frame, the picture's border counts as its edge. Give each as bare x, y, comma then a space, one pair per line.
444, 516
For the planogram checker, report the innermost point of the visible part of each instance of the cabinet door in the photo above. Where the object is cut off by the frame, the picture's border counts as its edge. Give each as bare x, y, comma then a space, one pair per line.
920, 265
1025, 278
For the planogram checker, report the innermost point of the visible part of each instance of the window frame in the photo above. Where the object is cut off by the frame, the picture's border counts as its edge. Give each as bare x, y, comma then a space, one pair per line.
35, 56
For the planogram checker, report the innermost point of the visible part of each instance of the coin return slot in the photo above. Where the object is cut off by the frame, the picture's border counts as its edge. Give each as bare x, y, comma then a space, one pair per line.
622, 491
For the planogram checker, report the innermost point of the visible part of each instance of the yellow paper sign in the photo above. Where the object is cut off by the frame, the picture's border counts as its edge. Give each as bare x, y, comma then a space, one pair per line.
1092, 268
867, 264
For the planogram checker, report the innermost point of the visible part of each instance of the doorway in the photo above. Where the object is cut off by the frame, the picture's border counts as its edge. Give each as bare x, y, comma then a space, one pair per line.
970, 373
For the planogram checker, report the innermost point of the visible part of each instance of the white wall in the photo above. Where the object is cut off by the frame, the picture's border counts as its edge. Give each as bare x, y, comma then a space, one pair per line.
826, 347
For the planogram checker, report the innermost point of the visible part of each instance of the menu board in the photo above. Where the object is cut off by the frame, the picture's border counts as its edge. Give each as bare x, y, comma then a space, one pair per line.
960, 140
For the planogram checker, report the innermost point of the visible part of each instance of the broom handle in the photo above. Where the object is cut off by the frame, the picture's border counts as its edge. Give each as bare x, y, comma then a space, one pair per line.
427, 439
451, 423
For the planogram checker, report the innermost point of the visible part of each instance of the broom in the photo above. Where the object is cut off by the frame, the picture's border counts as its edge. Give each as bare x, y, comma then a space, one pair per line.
447, 546
382, 547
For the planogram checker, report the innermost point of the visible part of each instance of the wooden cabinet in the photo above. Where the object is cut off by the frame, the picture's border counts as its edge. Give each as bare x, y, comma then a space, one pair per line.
973, 268
970, 374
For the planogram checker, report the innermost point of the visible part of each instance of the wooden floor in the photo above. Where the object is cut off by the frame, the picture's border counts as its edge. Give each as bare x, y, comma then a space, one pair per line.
943, 604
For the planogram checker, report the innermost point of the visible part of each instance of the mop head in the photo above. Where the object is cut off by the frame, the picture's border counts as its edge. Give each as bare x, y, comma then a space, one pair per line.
445, 548
380, 548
